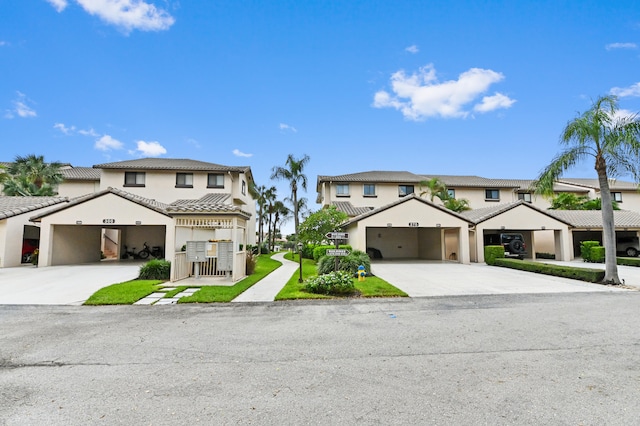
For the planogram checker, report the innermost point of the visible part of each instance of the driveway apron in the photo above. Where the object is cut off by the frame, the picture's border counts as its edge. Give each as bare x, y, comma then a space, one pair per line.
424, 279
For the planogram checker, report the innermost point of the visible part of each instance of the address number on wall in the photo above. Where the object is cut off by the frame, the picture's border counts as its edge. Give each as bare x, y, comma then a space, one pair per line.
108, 221
414, 224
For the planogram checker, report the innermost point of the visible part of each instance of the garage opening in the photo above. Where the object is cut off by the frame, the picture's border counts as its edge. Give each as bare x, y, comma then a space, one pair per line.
414, 243
30, 242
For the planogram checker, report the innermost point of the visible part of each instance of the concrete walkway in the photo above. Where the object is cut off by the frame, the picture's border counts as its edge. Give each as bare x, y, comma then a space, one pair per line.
267, 288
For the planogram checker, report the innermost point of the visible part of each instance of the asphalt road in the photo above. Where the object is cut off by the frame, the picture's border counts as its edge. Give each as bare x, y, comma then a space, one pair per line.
570, 358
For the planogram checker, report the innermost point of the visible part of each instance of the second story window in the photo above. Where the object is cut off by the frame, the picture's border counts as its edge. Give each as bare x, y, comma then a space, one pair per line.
342, 190
244, 188
215, 180
184, 180
451, 193
492, 195
369, 190
404, 190
133, 178
526, 196
616, 196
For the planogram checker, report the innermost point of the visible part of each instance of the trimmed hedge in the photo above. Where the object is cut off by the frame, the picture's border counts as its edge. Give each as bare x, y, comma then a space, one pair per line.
583, 274
585, 250
491, 253
597, 254
320, 251
628, 261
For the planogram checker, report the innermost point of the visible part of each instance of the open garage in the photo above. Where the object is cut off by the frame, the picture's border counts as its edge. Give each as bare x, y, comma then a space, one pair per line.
411, 228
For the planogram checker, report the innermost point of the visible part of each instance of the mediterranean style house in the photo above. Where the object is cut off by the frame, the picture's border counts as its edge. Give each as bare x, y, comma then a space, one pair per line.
114, 209
390, 214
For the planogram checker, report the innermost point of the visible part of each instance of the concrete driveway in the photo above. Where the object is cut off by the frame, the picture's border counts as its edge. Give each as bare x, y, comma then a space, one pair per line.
61, 285
424, 279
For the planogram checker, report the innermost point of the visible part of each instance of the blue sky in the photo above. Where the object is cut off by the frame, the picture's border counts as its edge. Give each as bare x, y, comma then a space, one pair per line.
457, 87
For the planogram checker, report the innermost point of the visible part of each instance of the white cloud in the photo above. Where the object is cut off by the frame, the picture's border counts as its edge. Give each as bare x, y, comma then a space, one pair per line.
633, 90
613, 46
151, 149
412, 49
64, 129
420, 95
239, 153
285, 127
89, 132
623, 114
21, 108
58, 5
129, 14
491, 103
107, 143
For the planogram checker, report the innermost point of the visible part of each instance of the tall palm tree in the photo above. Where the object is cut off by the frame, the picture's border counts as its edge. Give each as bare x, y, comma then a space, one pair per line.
258, 193
281, 213
613, 142
269, 199
293, 172
31, 175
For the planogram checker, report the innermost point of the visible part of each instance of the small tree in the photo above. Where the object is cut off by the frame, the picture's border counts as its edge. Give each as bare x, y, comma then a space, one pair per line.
318, 224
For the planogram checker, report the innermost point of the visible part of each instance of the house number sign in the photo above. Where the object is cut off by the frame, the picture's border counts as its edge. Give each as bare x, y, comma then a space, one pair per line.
108, 221
414, 224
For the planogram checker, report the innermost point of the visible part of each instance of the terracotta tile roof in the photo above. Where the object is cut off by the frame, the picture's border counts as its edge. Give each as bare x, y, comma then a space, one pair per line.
350, 209
614, 184
373, 176
81, 173
593, 218
482, 214
170, 164
14, 206
404, 200
210, 203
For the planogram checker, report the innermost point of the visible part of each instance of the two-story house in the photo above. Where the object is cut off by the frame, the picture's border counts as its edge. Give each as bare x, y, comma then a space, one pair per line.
160, 202
391, 214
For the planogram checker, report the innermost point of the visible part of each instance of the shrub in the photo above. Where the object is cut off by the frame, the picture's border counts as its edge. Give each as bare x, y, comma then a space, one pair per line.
628, 261
348, 264
334, 283
264, 249
491, 253
583, 274
251, 263
156, 269
597, 254
307, 251
585, 250
320, 251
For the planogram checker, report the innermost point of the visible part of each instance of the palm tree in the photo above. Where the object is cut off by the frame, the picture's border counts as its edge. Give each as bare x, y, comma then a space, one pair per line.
259, 193
457, 204
434, 187
293, 172
281, 213
31, 175
613, 142
269, 199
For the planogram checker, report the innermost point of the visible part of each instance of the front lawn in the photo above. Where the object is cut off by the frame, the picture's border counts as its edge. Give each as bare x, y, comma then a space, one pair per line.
370, 287
125, 293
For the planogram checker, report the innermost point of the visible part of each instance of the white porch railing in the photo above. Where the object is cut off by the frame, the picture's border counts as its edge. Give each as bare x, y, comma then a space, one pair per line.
183, 269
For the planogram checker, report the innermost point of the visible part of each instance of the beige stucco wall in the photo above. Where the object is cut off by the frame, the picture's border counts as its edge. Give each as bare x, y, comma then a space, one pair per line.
93, 212
72, 188
393, 227
523, 218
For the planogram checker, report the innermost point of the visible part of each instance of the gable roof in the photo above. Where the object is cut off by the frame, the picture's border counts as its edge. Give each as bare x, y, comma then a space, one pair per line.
480, 215
593, 218
14, 206
401, 201
171, 164
145, 202
349, 209
614, 184
81, 173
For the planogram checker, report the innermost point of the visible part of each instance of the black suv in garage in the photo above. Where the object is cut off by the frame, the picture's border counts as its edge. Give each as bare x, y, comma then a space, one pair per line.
513, 244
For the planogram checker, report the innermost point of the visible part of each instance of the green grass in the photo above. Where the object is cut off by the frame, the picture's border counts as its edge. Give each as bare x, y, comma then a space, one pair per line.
218, 293
370, 287
124, 293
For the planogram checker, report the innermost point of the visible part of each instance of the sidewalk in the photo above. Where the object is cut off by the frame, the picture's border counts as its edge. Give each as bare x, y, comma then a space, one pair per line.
267, 288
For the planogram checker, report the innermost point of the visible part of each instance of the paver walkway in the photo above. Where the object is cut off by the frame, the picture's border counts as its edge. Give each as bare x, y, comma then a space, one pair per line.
267, 288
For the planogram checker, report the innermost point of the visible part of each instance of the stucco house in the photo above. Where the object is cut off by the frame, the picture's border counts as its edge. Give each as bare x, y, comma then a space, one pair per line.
160, 202
388, 215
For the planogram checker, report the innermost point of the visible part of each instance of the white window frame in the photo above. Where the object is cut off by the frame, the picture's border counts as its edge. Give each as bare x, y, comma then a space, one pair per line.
342, 190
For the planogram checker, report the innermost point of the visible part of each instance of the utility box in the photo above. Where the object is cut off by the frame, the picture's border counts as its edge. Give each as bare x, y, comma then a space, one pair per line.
196, 251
